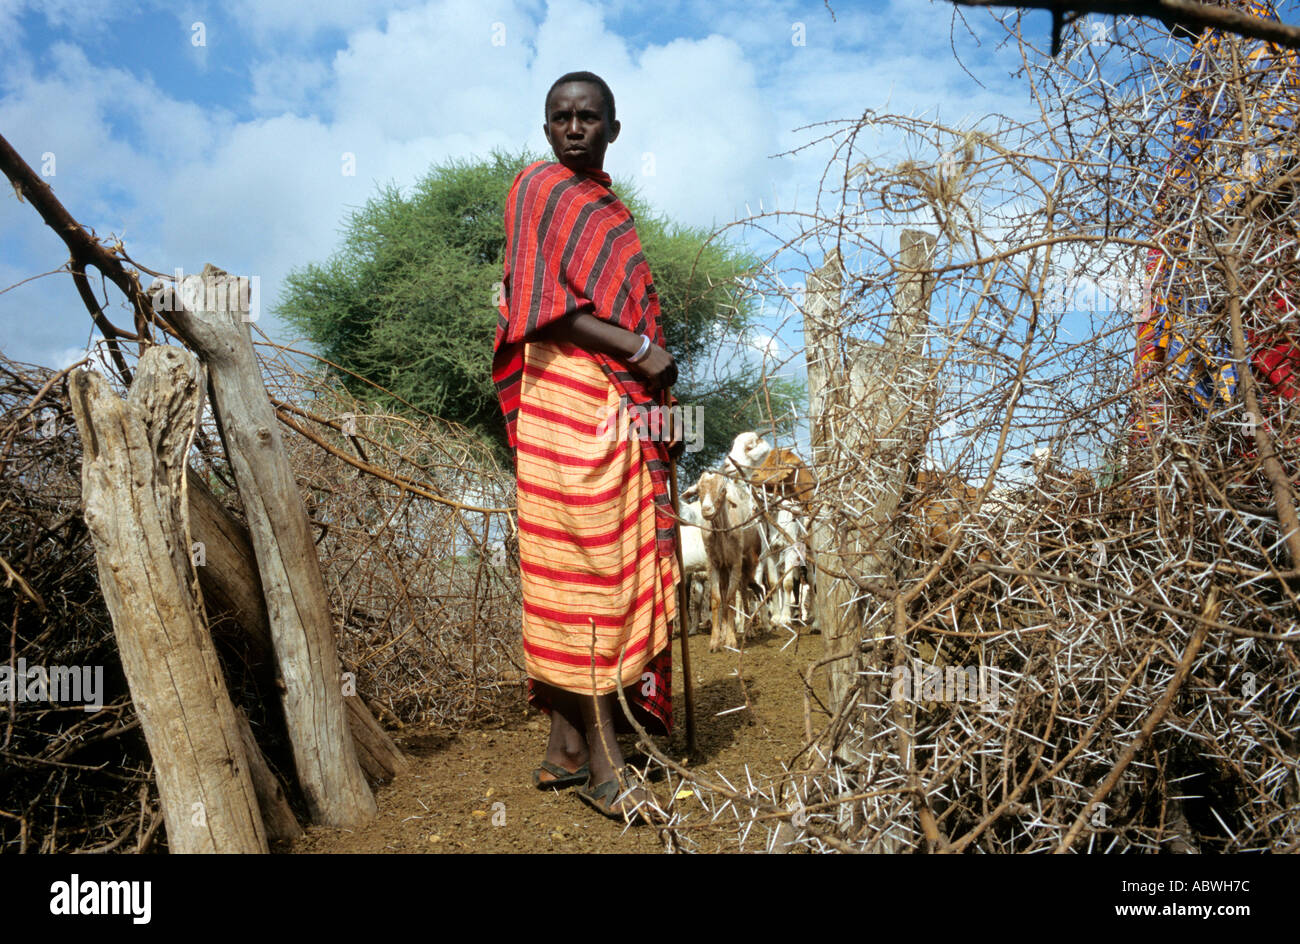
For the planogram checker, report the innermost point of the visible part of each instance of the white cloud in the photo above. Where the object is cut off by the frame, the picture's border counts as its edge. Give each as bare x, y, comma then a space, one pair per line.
10, 32
434, 72
287, 84
766, 345
289, 22
709, 152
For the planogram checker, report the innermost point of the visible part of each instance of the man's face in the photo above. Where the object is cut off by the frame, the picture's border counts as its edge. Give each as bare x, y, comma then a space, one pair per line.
577, 126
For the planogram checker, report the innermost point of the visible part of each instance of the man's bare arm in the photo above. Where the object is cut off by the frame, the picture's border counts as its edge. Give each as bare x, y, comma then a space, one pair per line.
590, 333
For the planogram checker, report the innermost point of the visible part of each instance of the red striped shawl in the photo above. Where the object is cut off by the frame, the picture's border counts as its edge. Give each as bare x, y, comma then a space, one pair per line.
571, 245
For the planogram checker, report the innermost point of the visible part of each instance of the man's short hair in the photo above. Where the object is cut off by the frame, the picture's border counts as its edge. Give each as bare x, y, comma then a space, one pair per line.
584, 76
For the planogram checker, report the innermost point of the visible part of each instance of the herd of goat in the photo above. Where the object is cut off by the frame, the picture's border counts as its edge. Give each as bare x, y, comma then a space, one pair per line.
744, 530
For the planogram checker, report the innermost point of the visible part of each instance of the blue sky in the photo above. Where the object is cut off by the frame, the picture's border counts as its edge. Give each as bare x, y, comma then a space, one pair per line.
221, 132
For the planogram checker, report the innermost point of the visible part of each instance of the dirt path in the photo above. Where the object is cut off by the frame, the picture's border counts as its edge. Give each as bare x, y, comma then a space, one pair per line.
473, 792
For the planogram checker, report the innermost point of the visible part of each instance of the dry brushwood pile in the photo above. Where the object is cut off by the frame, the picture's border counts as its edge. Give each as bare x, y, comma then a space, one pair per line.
414, 538
416, 541
1073, 609
71, 779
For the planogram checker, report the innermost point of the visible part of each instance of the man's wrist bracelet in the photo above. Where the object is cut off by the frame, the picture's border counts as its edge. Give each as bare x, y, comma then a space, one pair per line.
642, 351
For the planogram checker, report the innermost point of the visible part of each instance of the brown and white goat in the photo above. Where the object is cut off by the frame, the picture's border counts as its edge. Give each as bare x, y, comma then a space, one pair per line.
733, 542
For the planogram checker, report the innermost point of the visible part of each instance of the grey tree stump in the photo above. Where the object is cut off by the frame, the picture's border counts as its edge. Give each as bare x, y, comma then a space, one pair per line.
133, 465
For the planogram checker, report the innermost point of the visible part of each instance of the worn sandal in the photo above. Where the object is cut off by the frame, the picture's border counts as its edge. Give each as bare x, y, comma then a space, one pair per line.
563, 778
601, 798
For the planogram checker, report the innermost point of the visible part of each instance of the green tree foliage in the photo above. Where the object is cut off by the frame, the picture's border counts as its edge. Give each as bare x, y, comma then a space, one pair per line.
409, 303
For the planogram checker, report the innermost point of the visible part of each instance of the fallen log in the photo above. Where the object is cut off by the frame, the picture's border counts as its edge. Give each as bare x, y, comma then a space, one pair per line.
378, 755
228, 576
277, 814
232, 590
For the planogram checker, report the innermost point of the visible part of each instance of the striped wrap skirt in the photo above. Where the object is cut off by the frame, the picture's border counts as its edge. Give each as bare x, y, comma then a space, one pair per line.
594, 587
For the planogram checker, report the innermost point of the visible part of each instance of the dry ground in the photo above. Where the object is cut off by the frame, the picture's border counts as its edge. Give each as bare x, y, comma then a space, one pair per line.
447, 802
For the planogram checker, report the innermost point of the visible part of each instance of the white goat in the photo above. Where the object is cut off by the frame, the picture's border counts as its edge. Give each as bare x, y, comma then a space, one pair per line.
748, 450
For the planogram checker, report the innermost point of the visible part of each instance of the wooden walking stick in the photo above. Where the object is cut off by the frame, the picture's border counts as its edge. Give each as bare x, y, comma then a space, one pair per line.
683, 604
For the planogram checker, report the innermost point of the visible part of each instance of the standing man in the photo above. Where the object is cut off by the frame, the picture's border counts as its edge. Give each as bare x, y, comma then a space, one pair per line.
578, 345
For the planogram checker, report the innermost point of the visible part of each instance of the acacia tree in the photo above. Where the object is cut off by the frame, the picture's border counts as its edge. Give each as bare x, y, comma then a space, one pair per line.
409, 303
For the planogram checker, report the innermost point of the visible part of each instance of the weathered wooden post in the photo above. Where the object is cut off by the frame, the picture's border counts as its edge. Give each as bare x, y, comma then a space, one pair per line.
132, 476
297, 604
888, 388
868, 429
833, 606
